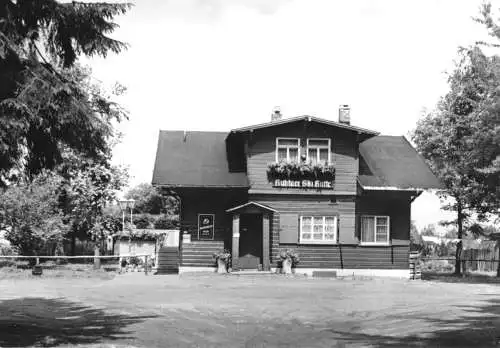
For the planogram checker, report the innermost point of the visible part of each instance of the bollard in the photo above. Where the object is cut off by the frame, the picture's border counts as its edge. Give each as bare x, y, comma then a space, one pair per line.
146, 265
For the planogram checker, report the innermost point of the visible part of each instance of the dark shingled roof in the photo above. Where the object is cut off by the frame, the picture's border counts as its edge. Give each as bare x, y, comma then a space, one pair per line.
197, 159
390, 162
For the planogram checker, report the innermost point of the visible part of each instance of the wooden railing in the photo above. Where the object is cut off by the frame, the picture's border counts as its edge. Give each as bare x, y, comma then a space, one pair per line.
94, 257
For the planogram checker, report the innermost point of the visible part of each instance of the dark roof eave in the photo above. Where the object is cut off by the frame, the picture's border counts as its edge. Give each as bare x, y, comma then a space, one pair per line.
304, 118
199, 186
395, 188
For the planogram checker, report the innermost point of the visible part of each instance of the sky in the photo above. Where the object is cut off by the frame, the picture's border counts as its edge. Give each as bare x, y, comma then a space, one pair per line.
214, 65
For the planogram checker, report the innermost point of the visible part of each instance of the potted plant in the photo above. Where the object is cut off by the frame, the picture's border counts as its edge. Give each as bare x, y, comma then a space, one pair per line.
222, 257
289, 258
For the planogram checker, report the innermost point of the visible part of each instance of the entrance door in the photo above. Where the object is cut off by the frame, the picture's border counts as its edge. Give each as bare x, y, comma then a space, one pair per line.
250, 241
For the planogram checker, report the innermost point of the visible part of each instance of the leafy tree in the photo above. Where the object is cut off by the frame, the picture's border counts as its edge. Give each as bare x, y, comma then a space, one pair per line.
87, 188
149, 200
416, 241
459, 139
30, 214
429, 230
48, 105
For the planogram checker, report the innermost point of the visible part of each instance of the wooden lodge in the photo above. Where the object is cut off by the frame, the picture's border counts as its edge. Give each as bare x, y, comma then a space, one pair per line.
339, 195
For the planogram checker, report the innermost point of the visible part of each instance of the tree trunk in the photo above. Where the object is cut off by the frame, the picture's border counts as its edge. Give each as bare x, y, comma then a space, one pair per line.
73, 245
458, 252
498, 266
97, 261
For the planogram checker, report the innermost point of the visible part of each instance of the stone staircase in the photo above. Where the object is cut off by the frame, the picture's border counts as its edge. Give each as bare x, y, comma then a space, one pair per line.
200, 253
168, 260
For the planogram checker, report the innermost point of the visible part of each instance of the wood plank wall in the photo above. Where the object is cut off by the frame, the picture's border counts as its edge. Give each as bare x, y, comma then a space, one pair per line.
348, 254
206, 201
262, 151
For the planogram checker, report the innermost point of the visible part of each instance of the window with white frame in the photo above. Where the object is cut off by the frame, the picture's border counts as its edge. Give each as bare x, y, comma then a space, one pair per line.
287, 149
318, 229
318, 150
374, 229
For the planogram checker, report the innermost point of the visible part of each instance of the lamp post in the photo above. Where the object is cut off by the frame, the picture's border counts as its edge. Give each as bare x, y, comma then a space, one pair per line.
124, 205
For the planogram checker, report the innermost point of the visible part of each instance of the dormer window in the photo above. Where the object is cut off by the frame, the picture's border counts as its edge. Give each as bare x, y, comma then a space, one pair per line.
287, 149
318, 150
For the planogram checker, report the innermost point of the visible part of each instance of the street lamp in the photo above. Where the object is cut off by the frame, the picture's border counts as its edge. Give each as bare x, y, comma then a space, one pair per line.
124, 204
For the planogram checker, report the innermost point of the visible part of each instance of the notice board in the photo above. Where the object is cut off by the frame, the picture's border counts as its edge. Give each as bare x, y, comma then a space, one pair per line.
206, 226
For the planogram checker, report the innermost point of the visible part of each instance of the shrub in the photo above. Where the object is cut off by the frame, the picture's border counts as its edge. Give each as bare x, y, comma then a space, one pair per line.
7, 250
143, 221
135, 261
164, 222
438, 266
124, 263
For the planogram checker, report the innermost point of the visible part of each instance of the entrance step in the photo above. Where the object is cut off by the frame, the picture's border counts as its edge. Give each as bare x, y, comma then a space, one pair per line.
251, 272
324, 274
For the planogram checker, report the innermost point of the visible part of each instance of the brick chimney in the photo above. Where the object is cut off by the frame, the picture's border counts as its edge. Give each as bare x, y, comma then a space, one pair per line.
344, 114
276, 115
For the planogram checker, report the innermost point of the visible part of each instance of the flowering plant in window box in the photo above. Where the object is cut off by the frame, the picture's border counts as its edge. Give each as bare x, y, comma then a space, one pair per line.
288, 258
300, 171
223, 258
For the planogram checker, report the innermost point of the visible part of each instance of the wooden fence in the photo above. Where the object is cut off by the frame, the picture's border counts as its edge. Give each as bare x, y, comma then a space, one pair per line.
473, 260
96, 259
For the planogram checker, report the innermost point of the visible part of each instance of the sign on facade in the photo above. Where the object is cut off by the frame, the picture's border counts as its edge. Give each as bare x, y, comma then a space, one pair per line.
303, 184
206, 226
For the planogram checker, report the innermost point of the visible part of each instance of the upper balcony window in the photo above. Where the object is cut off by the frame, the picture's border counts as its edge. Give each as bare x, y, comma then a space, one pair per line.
318, 151
287, 149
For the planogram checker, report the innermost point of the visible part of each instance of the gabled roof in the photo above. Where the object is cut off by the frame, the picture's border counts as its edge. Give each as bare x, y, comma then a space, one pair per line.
249, 205
304, 118
194, 159
391, 163
199, 159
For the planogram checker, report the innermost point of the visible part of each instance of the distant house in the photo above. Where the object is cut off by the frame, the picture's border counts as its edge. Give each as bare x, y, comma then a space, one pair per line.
339, 194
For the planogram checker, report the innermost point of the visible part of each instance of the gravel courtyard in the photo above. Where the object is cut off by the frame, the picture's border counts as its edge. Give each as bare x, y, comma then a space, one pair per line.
134, 310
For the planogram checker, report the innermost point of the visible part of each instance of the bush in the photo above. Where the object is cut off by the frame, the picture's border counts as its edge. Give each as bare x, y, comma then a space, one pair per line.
163, 222
143, 221
437, 266
136, 261
7, 250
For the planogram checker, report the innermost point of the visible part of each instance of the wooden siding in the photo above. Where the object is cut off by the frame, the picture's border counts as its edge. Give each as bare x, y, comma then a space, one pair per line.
396, 205
352, 256
262, 151
209, 202
200, 253
347, 253
344, 208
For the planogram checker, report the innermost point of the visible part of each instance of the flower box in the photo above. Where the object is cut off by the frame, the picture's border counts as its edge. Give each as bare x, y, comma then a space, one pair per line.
300, 171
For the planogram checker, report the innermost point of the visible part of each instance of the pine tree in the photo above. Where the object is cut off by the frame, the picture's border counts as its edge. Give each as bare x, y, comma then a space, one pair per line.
47, 103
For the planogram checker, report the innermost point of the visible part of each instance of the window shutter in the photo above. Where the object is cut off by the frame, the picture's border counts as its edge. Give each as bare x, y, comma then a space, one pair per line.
357, 227
289, 228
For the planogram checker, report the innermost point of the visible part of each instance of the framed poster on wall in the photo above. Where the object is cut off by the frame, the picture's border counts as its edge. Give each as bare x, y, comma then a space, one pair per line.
206, 226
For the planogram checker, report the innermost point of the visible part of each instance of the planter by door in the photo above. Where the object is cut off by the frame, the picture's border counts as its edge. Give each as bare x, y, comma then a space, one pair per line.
287, 266
221, 266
